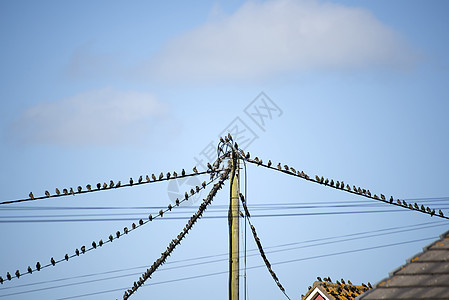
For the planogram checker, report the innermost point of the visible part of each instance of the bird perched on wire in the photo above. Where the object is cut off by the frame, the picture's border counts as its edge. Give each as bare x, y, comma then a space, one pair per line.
161, 176
175, 174
440, 213
89, 187
140, 179
79, 189
119, 183
111, 184
31, 195
65, 191
183, 172
77, 252
105, 185
66, 257
30, 270
269, 163
195, 170
382, 196
98, 186
131, 181
391, 199
52, 260
168, 175
72, 192
147, 178
8, 276
47, 193
279, 166
58, 192
38, 266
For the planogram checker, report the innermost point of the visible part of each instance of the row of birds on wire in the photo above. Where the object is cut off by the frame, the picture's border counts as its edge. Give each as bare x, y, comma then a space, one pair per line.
176, 241
341, 185
126, 230
141, 180
261, 250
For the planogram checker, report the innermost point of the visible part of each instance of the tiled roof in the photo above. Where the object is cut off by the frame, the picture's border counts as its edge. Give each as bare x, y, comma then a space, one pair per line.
336, 291
424, 276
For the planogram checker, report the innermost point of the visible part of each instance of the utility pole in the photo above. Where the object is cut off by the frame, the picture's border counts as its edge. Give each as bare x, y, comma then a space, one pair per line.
233, 222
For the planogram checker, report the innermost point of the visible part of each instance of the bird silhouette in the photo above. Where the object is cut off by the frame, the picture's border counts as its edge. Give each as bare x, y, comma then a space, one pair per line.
269, 163
83, 249
65, 191
349, 282
98, 186
440, 213
100, 243
131, 181
161, 176
117, 234
89, 187
52, 260
175, 174
30, 270
47, 194
66, 257
79, 189
391, 199
279, 166
161, 212
319, 278
203, 184
94, 245
343, 281
337, 185
77, 252
8, 276
17, 274
31, 195
423, 208
416, 206
140, 179
382, 196
58, 192
195, 170
111, 184
404, 203
398, 202
119, 183
154, 177
111, 237
38, 266
168, 175
147, 178
317, 178
105, 185
183, 172
369, 193
72, 192
347, 187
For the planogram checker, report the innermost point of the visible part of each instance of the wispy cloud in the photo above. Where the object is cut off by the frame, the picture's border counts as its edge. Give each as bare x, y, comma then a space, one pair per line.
265, 39
99, 117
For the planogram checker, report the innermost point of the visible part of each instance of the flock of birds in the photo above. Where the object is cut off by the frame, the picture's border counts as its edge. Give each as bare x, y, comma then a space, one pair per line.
341, 288
259, 246
176, 241
341, 185
126, 230
111, 185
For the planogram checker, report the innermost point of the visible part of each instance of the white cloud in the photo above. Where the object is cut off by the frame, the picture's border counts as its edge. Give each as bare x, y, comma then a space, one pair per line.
99, 117
265, 39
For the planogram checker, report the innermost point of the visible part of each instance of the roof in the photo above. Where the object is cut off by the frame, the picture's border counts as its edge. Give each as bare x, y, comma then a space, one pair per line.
334, 291
424, 276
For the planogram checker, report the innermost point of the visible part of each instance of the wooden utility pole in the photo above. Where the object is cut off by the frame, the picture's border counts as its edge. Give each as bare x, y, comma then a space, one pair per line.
233, 221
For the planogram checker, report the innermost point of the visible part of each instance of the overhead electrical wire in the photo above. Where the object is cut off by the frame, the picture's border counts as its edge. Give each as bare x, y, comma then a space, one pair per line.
251, 267
341, 186
83, 249
109, 186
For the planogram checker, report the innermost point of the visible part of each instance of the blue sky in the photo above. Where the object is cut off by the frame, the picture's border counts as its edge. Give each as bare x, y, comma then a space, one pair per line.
94, 91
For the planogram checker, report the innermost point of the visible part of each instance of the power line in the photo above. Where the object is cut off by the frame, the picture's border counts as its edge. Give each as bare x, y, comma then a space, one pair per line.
105, 186
111, 237
341, 186
252, 267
